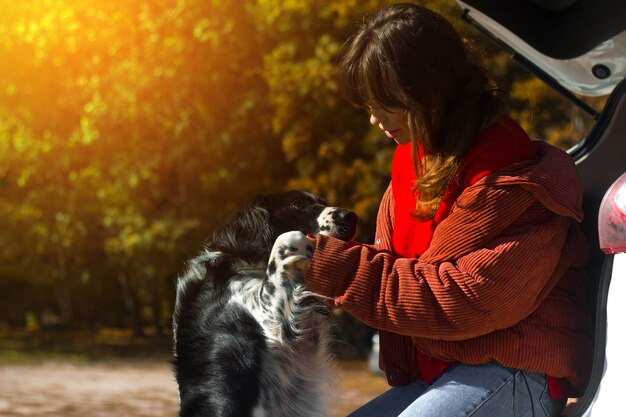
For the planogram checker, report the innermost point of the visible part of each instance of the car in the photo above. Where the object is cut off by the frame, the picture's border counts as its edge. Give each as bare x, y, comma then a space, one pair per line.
578, 47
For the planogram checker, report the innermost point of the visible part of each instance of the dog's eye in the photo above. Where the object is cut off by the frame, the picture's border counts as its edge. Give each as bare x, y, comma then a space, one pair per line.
297, 205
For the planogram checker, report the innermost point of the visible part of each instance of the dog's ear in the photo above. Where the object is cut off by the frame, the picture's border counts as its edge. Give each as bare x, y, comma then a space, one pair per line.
261, 200
247, 230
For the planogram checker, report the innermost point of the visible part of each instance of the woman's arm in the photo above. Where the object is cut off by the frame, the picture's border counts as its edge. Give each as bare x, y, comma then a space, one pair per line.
490, 264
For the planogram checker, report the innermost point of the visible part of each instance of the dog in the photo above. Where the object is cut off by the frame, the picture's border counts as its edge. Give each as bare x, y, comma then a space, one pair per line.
249, 339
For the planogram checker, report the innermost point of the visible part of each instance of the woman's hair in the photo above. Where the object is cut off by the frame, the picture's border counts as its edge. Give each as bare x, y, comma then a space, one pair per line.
407, 57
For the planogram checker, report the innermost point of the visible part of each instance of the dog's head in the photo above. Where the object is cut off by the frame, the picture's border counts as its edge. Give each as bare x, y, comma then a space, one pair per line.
307, 213
251, 231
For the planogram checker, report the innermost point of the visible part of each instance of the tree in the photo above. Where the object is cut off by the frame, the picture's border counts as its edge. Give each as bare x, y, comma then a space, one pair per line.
130, 130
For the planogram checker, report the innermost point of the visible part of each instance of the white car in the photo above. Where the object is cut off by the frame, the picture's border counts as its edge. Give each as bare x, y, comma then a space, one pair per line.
578, 47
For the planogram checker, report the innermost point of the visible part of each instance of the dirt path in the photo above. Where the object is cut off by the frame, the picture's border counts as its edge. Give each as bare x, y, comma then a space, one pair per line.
126, 389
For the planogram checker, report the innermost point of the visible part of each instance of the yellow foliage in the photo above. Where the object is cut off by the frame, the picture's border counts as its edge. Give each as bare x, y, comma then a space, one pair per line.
129, 130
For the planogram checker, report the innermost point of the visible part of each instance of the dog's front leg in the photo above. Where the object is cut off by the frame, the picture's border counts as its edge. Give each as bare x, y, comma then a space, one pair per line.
290, 256
284, 288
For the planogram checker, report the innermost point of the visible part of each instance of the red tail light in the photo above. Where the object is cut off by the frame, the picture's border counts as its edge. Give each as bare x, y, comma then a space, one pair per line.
612, 218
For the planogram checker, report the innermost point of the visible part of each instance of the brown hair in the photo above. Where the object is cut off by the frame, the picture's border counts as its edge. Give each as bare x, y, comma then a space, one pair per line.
409, 57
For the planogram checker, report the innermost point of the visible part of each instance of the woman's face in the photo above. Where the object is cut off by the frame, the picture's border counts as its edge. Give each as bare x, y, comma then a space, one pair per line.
395, 123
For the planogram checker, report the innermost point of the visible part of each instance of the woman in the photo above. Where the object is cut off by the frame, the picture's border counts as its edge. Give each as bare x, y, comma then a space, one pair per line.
476, 278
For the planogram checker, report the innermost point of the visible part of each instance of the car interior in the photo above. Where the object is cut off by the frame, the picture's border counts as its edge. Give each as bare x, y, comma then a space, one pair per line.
578, 47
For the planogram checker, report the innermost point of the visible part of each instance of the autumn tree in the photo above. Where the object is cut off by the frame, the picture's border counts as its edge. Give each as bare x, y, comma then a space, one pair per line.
130, 130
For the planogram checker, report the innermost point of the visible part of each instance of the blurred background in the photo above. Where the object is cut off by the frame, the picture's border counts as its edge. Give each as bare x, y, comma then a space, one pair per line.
129, 130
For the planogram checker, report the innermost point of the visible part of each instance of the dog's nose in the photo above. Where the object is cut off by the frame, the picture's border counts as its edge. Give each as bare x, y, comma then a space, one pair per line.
346, 217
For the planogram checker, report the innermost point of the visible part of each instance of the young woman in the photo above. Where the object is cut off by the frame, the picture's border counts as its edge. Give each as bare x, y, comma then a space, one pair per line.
476, 277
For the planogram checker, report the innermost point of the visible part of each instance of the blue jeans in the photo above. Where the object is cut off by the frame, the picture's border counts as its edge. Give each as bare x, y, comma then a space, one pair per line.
489, 390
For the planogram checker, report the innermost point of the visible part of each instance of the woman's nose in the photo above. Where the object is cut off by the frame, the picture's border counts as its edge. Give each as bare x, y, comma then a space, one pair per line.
375, 119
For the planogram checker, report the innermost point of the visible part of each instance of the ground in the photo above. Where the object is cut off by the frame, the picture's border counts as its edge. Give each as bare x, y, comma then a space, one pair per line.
120, 388
47, 382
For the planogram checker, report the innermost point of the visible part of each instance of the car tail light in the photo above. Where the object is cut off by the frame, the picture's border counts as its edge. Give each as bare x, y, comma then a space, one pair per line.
612, 218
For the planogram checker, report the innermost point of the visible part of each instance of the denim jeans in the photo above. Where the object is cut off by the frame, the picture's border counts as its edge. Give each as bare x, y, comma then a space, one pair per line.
488, 390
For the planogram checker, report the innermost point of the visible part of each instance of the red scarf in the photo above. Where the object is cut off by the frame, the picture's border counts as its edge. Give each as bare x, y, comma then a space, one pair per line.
499, 146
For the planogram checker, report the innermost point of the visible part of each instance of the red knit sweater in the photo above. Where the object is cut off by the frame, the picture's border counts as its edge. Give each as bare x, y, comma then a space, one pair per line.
500, 146
501, 280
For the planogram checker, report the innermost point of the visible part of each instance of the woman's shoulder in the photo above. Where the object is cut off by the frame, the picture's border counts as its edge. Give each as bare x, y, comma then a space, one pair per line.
551, 177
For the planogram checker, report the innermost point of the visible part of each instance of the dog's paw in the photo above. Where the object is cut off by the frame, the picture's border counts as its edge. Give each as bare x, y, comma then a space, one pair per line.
291, 253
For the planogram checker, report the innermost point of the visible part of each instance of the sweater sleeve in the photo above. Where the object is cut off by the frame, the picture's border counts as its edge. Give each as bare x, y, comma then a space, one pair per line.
384, 222
488, 267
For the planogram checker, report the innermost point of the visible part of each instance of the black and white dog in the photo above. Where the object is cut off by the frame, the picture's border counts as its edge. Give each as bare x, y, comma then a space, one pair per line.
249, 339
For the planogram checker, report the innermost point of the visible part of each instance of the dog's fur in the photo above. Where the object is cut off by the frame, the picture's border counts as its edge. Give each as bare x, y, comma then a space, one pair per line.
249, 339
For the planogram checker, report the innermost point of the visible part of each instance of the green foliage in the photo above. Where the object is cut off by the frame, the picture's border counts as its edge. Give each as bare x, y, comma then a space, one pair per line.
129, 130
